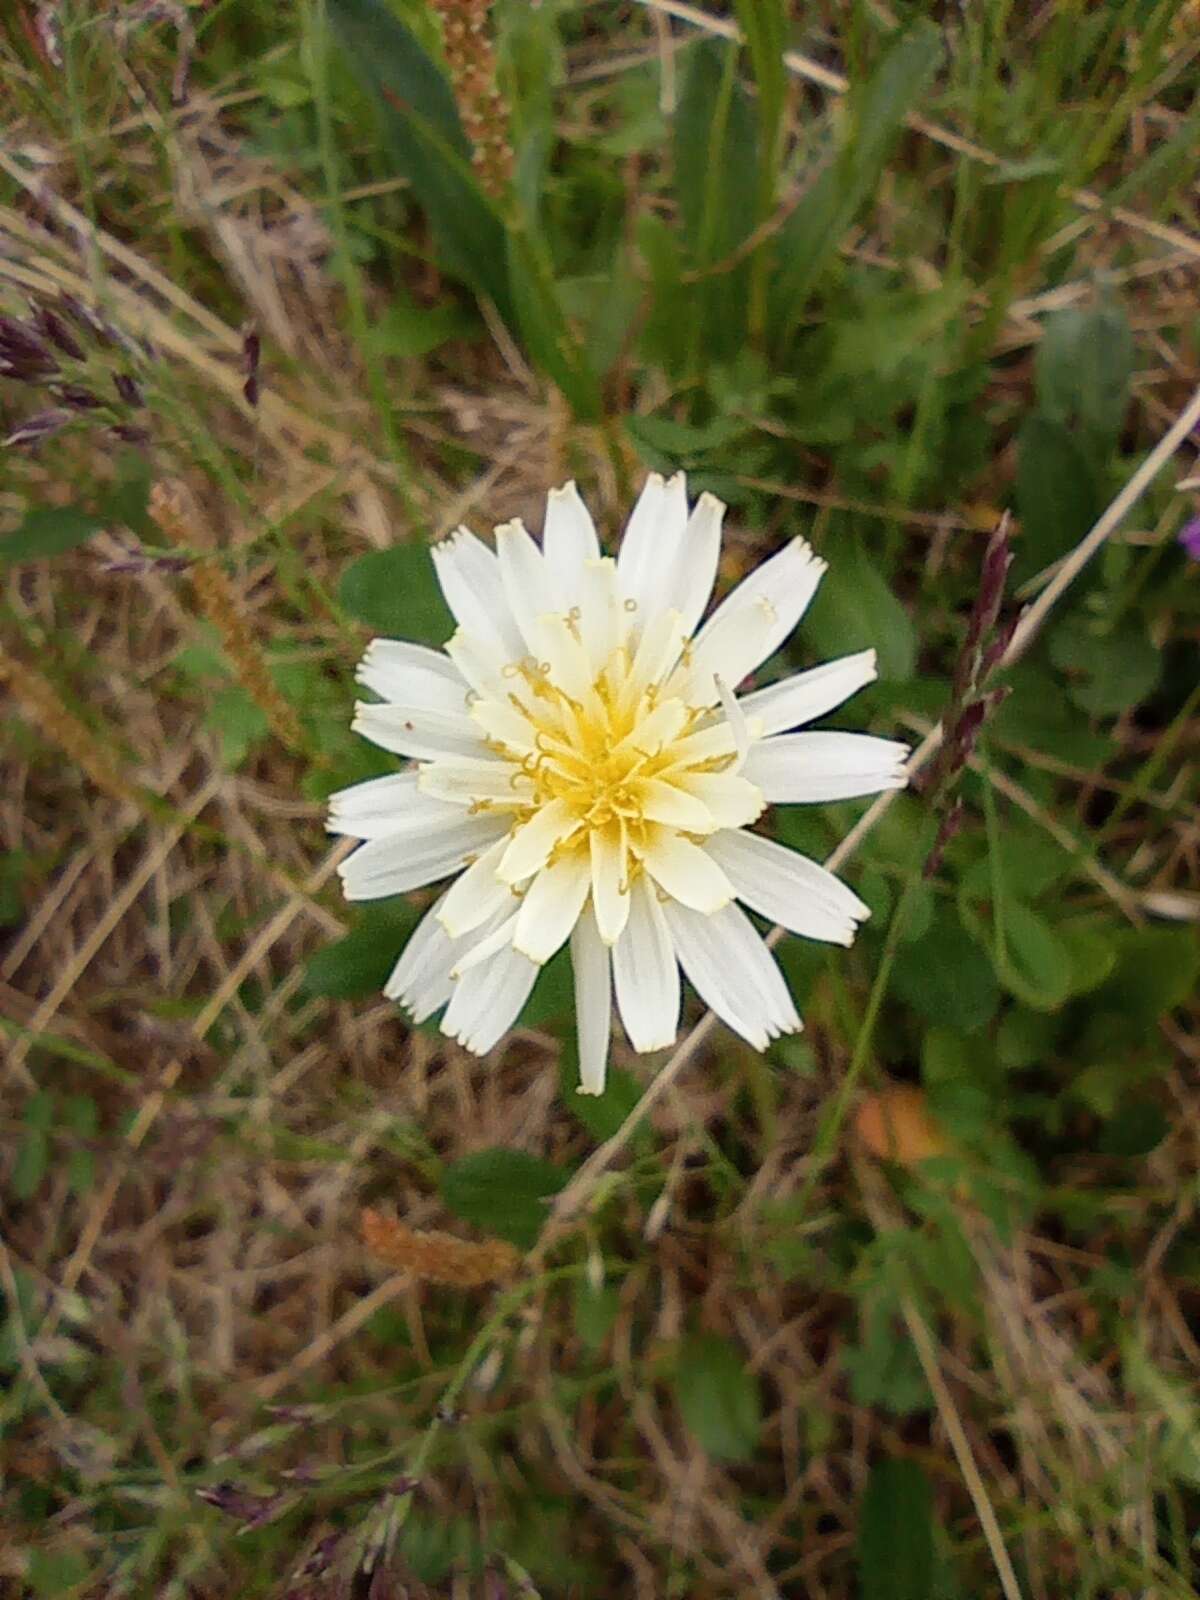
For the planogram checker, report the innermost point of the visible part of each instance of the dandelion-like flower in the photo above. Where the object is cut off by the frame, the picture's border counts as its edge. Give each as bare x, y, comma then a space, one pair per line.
581, 762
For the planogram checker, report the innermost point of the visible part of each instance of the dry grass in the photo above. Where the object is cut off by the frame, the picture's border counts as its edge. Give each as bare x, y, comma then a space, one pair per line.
211, 1267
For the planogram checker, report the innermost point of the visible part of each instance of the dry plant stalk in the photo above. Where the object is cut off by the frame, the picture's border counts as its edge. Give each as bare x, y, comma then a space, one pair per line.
482, 107
46, 710
175, 513
438, 1257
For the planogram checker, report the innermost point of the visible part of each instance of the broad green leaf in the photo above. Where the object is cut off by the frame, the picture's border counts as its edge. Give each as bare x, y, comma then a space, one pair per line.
237, 720
719, 1399
1030, 863
49, 531
423, 127
505, 1192
1156, 971
875, 113
1110, 669
1035, 965
396, 592
1083, 367
946, 977
896, 1534
1058, 495
600, 1114
855, 609
1138, 1127
553, 996
361, 962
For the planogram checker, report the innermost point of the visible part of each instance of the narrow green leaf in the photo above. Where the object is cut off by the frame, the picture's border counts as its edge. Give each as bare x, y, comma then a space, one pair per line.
423, 126
895, 1535
720, 1400
875, 114
542, 323
396, 592
49, 531
505, 1192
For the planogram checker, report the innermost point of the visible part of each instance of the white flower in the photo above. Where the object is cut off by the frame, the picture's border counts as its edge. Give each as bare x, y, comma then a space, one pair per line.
581, 763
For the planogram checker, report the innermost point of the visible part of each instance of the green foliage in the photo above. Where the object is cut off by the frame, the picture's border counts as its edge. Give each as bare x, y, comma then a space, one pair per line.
719, 1399
49, 531
360, 963
875, 115
395, 592
895, 1535
946, 977
504, 1192
422, 125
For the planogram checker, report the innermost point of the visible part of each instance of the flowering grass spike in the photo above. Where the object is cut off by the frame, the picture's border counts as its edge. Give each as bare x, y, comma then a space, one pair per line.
581, 763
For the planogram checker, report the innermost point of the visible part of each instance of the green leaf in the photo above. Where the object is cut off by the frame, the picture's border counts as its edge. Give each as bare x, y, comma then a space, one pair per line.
1058, 495
1138, 1127
896, 1534
238, 721
1112, 669
719, 1400
396, 592
553, 996
595, 1311
1036, 965
855, 609
600, 1114
49, 531
875, 113
946, 977
1083, 367
543, 325
716, 162
360, 963
14, 864
426, 136
503, 1192
1156, 971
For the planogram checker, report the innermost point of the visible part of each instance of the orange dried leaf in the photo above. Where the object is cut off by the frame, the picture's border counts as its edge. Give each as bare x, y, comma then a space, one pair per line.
896, 1125
438, 1257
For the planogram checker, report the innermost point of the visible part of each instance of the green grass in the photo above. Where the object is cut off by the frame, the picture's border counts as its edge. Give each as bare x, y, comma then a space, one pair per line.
758, 1359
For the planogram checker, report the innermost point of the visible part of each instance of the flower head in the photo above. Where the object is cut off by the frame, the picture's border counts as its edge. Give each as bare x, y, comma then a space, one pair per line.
580, 761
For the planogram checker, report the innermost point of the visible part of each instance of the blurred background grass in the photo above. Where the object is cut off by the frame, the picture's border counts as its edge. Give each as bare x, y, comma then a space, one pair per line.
905, 1309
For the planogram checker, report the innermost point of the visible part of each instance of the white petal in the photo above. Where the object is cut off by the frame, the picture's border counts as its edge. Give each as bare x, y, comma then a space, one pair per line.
568, 540
487, 1000
654, 732
736, 719
753, 621
688, 588
530, 846
567, 663
412, 674
809, 695
395, 864
610, 882
383, 805
469, 575
593, 1002
685, 871
552, 905
706, 744
477, 894
651, 542
526, 583
730, 800
421, 979
796, 767
469, 780
504, 724
733, 972
657, 652
602, 621
480, 662
484, 946
788, 888
674, 806
647, 973
417, 732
